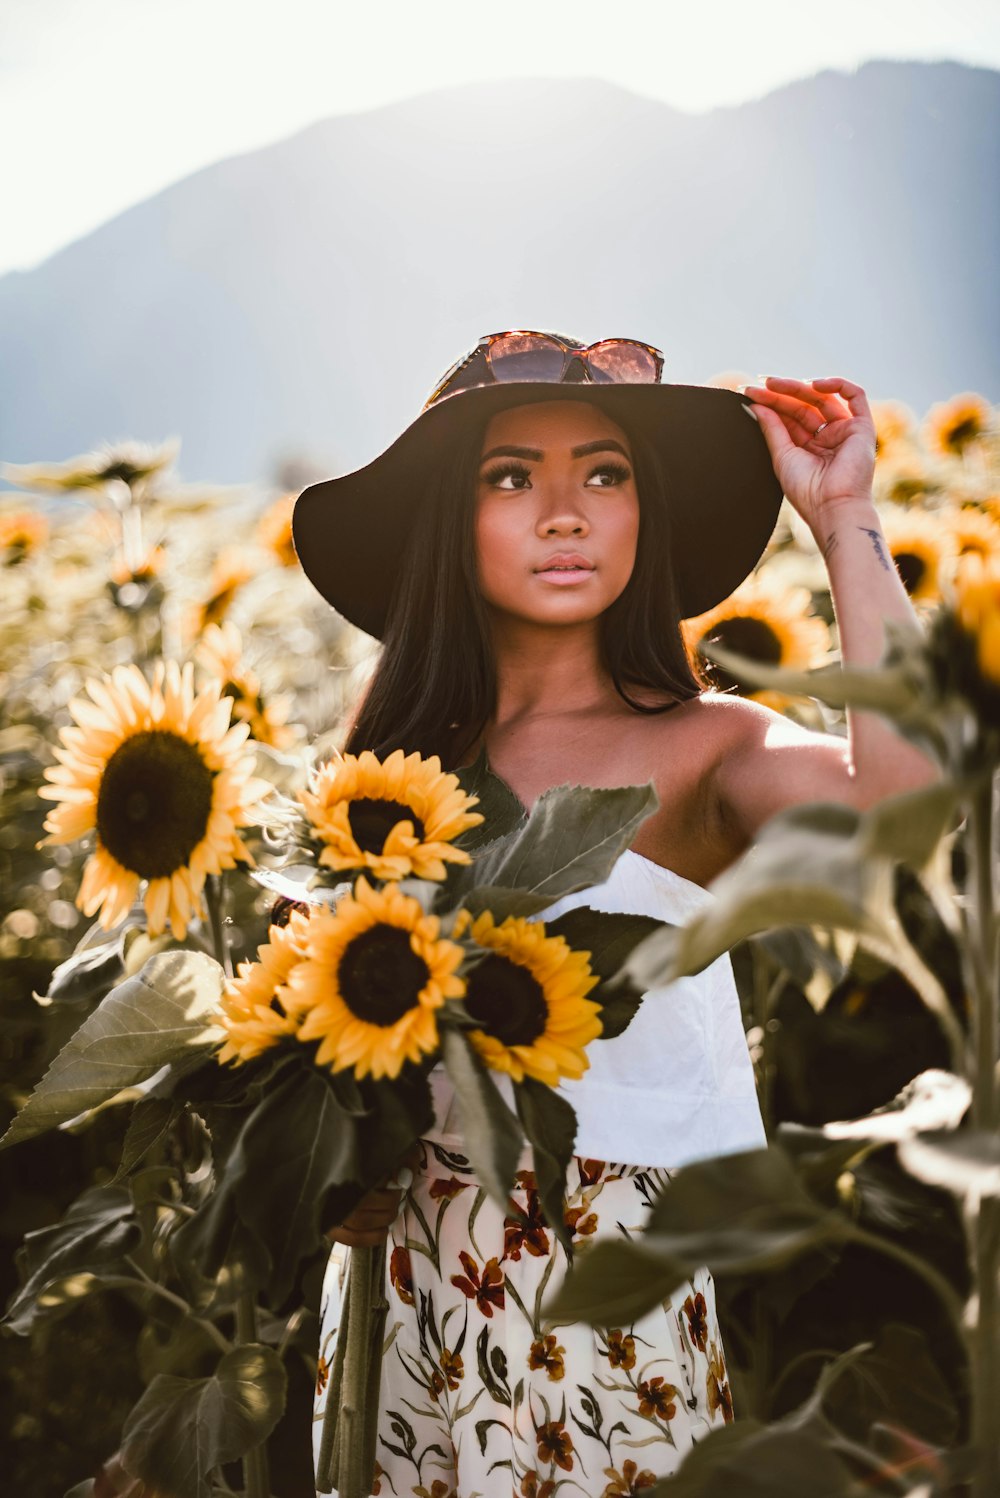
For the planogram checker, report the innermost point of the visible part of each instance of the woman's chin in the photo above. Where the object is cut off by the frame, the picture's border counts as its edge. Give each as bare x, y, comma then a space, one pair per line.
556, 612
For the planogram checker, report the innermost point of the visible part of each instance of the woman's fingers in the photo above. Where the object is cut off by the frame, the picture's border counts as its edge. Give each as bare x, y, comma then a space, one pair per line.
371, 1219
352, 1239
798, 401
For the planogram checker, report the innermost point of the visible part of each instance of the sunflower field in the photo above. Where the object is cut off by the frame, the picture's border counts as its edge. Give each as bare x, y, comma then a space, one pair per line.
166, 675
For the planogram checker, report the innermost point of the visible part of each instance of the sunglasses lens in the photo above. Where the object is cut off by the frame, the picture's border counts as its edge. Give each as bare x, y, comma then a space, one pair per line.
616, 361
526, 356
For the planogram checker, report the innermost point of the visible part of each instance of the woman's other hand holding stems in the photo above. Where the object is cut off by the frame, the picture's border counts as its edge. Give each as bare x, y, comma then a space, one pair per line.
368, 1225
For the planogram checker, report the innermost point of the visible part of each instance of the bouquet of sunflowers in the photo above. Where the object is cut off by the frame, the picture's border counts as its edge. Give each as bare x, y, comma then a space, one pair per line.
434, 955
406, 935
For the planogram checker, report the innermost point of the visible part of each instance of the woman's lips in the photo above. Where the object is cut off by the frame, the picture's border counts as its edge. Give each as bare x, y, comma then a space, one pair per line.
564, 575
565, 567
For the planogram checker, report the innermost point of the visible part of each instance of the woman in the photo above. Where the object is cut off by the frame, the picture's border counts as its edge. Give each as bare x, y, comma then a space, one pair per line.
526, 550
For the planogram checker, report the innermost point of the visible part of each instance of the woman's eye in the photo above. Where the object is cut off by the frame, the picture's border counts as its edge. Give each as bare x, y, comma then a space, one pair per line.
514, 471
614, 473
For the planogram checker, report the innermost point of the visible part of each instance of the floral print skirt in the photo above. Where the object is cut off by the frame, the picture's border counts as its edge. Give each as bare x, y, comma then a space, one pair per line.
480, 1396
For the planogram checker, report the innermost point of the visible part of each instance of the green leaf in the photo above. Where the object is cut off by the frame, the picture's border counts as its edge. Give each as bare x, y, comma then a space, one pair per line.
571, 841
88, 971
501, 809
619, 1006
741, 1213
819, 863
550, 1125
614, 1282
963, 1161
184, 1427
151, 1118
758, 1461
94, 1236
146, 1022
897, 1380
491, 1132
290, 1147
932, 1100
610, 938
878, 688
296, 1145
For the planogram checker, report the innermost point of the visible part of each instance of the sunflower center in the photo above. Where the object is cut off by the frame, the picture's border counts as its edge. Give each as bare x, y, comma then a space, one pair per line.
372, 820
965, 432
749, 636
154, 803
911, 569
380, 975
507, 1000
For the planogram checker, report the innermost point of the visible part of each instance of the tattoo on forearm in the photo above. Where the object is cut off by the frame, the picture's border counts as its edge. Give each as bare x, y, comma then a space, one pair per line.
876, 539
833, 541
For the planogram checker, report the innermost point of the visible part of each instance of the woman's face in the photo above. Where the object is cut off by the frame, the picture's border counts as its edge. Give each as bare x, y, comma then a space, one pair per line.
557, 514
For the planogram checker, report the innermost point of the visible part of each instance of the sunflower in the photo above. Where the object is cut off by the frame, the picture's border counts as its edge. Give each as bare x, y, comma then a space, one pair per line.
164, 780
133, 588
374, 973
904, 477
274, 530
767, 621
953, 426
21, 533
894, 423
220, 652
529, 996
920, 543
974, 529
129, 462
395, 818
229, 573
977, 608
258, 1009
146, 571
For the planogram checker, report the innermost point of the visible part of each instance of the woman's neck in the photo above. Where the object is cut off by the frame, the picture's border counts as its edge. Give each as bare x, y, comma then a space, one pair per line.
541, 672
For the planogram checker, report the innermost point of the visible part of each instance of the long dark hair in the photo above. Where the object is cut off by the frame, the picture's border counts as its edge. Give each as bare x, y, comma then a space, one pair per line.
434, 687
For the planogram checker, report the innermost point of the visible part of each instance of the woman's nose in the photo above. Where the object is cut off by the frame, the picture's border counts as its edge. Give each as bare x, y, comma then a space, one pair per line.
563, 518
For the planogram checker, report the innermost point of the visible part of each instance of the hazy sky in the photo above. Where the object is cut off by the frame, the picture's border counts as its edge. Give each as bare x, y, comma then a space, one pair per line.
104, 102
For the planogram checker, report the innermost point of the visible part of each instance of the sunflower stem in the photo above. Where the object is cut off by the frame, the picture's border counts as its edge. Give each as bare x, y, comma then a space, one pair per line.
982, 931
350, 1421
215, 895
256, 1476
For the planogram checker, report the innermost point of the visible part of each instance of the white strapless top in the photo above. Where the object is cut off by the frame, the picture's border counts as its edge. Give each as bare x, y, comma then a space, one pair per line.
678, 1084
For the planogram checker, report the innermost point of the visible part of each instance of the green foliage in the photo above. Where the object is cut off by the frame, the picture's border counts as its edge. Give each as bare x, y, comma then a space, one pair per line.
817, 864
742, 1213
610, 937
161, 1015
183, 1428
570, 841
93, 1238
489, 1129
501, 810
550, 1125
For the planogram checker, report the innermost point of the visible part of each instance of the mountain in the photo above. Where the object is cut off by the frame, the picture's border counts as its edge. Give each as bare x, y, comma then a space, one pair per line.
298, 302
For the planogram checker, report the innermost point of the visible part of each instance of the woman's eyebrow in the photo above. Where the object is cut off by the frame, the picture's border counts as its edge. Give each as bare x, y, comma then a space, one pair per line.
512, 452
602, 445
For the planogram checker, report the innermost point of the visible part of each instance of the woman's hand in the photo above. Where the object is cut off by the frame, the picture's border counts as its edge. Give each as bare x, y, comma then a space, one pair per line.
368, 1225
822, 449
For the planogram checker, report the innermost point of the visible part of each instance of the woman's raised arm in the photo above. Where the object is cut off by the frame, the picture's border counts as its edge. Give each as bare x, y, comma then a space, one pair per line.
821, 436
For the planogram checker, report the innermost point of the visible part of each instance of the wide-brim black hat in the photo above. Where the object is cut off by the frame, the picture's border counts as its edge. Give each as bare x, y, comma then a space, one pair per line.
350, 533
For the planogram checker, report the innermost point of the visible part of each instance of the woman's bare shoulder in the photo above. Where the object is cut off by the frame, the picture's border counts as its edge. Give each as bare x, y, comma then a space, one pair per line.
719, 715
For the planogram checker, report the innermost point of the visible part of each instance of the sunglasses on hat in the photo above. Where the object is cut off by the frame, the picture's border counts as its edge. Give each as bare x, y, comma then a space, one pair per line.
522, 355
